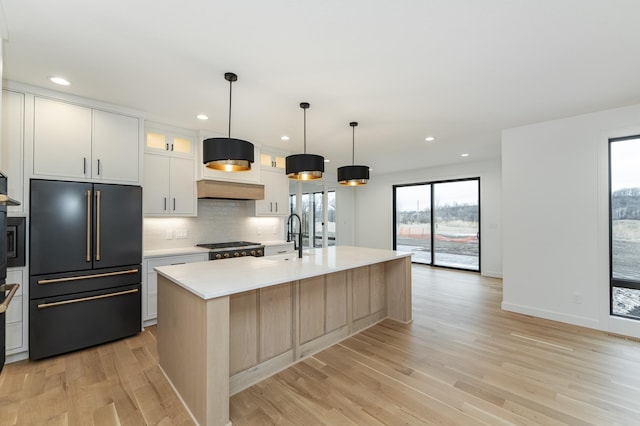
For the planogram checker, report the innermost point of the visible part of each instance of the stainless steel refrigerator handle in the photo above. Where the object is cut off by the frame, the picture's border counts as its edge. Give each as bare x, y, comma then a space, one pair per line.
12, 290
98, 224
86, 299
84, 277
88, 225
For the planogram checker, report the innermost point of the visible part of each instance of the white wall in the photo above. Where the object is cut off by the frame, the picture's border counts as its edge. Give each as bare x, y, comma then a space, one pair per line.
374, 207
555, 218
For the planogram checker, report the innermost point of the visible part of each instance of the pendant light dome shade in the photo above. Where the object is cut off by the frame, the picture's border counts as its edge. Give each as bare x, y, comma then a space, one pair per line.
304, 166
353, 175
228, 154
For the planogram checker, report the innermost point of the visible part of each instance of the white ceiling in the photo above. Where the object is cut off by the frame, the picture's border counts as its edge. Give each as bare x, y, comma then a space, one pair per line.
460, 70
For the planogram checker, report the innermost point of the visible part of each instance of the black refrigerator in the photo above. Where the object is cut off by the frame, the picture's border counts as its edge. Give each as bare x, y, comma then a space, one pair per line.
85, 254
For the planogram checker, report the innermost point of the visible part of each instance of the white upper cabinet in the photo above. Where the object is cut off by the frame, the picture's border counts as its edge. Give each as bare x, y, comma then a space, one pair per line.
115, 147
61, 139
12, 147
169, 187
160, 141
276, 194
270, 160
72, 141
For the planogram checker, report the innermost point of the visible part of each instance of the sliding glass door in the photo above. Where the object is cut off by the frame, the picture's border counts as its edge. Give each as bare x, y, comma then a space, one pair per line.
412, 228
439, 222
624, 157
456, 217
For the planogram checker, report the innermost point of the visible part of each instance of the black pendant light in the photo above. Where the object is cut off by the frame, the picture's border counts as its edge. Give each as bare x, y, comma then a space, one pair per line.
228, 154
353, 175
304, 166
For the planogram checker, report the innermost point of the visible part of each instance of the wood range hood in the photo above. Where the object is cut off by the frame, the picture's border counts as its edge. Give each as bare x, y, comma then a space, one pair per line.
230, 190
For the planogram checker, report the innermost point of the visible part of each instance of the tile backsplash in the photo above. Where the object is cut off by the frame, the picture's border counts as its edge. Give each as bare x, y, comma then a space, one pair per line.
217, 221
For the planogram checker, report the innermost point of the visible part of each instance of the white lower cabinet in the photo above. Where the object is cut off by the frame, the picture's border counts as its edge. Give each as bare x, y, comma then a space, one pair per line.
150, 281
16, 315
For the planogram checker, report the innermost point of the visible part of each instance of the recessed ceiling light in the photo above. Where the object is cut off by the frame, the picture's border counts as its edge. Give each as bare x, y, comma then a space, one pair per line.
284, 138
59, 80
464, 155
429, 139
202, 117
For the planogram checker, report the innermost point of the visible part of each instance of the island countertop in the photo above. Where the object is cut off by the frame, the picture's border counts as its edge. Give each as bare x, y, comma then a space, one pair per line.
218, 278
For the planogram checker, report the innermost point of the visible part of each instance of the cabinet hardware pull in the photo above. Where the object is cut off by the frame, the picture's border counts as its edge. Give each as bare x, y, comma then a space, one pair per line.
171, 147
98, 225
174, 204
88, 225
276, 206
98, 167
166, 147
84, 165
179, 263
86, 299
270, 206
84, 277
12, 290
165, 204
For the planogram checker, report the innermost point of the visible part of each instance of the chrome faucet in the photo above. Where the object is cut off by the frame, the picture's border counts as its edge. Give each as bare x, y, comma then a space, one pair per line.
290, 233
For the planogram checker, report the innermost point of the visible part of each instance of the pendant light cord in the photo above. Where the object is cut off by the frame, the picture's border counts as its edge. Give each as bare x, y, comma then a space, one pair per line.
304, 110
353, 146
230, 86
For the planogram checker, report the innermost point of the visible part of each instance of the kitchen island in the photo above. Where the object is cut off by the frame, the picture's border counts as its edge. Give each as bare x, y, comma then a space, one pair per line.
225, 325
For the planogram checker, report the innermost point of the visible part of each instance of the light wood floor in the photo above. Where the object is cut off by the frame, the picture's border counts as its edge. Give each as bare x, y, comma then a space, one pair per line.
461, 361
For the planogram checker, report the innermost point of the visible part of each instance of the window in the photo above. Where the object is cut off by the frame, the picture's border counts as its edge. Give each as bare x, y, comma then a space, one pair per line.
439, 222
312, 218
624, 225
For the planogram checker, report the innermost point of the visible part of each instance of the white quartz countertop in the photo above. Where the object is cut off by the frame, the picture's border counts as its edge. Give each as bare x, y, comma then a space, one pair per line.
174, 252
219, 278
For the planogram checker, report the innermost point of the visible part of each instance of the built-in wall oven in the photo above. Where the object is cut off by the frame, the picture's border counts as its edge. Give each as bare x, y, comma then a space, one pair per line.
15, 241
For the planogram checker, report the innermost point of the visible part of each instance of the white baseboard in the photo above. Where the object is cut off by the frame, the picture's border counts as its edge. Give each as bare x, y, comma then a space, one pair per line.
551, 315
491, 274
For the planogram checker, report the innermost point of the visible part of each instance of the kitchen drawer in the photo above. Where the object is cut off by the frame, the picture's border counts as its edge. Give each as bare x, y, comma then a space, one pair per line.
66, 323
175, 260
71, 283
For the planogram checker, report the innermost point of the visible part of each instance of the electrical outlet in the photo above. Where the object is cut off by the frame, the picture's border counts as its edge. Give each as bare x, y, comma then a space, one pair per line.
168, 234
577, 298
182, 233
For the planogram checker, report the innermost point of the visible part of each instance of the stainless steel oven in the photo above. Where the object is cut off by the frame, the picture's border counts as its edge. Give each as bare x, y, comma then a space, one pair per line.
15, 241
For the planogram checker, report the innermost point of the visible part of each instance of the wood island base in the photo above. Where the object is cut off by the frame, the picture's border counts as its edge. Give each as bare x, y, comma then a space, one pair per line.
213, 348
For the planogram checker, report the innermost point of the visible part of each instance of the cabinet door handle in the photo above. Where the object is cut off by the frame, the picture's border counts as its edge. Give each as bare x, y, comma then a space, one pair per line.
84, 165
98, 225
171, 147
174, 204
165, 204
88, 225
98, 167
270, 206
166, 147
276, 206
